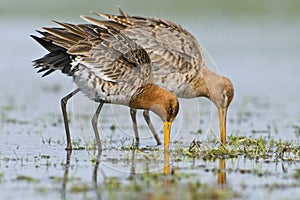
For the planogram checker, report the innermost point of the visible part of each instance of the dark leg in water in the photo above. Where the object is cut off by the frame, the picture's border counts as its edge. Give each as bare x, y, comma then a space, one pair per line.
94, 124
65, 116
135, 129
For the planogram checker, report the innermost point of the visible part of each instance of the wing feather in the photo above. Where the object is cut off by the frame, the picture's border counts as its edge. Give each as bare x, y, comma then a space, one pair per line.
106, 52
167, 44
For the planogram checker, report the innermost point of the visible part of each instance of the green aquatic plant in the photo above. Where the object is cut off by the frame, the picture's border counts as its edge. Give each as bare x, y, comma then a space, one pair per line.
77, 145
250, 148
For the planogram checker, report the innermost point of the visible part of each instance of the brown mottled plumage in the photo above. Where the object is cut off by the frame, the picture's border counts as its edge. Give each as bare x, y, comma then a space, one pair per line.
108, 67
177, 61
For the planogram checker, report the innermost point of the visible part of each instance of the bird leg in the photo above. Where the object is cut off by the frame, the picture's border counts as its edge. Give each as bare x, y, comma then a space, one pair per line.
135, 129
94, 124
148, 120
65, 116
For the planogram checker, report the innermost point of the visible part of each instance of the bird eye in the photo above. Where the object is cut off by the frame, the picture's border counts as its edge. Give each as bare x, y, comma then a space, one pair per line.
223, 95
170, 110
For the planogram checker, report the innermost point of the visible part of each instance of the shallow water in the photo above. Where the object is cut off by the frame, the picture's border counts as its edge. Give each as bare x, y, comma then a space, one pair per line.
260, 58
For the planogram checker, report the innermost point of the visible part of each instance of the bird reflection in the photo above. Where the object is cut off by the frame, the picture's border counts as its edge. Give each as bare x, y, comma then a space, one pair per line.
222, 173
166, 166
95, 174
133, 165
65, 177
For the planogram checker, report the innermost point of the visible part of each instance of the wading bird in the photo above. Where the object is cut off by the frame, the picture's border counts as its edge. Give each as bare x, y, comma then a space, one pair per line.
177, 62
107, 67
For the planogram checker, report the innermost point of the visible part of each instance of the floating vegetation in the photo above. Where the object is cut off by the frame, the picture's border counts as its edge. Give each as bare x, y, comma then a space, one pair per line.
251, 148
76, 145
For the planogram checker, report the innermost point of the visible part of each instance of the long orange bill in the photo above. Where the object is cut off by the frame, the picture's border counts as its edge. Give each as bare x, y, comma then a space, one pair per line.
222, 118
167, 130
166, 163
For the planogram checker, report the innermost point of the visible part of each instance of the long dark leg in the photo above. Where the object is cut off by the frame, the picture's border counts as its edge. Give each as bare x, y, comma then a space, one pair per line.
135, 129
65, 116
147, 119
94, 124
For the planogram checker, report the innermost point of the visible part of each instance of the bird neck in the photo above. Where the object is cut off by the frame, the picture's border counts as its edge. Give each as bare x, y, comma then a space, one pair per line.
205, 84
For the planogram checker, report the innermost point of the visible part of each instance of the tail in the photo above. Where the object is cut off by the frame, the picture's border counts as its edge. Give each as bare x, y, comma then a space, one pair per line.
56, 59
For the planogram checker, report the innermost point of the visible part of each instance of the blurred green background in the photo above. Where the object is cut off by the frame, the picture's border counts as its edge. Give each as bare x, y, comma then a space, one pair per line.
240, 35
249, 38
234, 9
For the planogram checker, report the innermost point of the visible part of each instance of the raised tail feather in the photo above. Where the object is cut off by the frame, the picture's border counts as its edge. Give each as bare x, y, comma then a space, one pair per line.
56, 59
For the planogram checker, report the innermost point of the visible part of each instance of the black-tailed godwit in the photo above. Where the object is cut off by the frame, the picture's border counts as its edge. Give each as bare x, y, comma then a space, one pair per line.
177, 62
108, 67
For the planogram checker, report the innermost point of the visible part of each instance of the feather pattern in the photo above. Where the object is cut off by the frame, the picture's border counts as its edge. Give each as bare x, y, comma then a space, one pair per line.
176, 56
104, 63
177, 59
